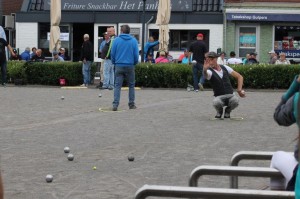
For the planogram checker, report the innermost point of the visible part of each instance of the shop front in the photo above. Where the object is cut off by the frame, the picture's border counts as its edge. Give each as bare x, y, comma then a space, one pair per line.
260, 31
94, 16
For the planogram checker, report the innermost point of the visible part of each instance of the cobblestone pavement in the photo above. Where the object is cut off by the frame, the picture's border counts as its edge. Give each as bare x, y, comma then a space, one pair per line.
169, 135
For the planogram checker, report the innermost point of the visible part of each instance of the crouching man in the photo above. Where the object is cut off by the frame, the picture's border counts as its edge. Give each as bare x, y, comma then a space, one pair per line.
218, 76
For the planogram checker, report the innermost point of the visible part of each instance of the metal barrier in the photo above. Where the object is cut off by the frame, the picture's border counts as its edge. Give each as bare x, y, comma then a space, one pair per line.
231, 171
247, 155
209, 193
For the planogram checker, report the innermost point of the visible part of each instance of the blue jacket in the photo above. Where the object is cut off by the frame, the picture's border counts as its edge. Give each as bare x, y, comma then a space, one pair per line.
125, 51
25, 55
148, 49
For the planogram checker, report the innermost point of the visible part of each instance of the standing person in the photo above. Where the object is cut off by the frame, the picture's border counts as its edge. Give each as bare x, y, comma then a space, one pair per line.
105, 41
149, 47
218, 75
198, 48
125, 55
87, 59
26, 54
3, 62
286, 114
282, 59
108, 65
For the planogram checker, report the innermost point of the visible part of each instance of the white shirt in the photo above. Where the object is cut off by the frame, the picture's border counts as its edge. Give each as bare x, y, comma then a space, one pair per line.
234, 60
220, 73
221, 62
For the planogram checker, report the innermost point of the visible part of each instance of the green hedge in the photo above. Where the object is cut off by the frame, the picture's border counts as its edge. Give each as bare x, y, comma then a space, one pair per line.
49, 73
168, 75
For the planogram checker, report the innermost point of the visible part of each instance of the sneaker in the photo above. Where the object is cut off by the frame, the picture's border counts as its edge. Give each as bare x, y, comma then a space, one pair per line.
103, 88
132, 107
219, 114
110, 88
114, 108
82, 85
196, 90
201, 87
227, 113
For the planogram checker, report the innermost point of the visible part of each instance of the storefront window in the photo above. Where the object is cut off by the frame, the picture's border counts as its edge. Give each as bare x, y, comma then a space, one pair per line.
182, 39
44, 30
287, 39
247, 40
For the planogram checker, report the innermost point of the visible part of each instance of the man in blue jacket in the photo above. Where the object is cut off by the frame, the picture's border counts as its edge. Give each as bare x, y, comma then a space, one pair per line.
124, 55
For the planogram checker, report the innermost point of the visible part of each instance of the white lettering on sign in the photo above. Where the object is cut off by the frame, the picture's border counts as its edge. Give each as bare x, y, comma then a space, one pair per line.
73, 6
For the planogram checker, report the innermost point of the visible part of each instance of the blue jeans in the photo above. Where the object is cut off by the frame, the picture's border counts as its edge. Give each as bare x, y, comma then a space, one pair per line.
109, 75
3, 71
196, 69
86, 72
121, 73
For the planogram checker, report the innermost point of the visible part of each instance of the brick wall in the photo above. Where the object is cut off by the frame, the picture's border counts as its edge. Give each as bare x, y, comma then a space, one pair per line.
11, 6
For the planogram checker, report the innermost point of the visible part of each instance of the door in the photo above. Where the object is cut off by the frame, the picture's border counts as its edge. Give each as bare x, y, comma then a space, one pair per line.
99, 29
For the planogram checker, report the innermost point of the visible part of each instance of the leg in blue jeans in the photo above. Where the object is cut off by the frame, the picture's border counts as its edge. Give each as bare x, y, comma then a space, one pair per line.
119, 77
86, 72
131, 83
3, 72
196, 68
120, 74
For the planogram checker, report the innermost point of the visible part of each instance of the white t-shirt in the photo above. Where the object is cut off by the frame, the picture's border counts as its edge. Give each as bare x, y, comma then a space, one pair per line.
234, 61
221, 62
220, 73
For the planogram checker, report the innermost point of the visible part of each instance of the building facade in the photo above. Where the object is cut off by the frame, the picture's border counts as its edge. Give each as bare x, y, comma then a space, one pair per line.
261, 26
188, 17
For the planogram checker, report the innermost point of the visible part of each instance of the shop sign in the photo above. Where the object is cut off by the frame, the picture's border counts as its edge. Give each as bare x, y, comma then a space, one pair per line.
119, 5
63, 36
262, 17
289, 53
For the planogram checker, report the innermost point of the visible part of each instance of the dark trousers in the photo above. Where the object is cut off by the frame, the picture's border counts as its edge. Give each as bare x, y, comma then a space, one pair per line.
3, 71
198, 68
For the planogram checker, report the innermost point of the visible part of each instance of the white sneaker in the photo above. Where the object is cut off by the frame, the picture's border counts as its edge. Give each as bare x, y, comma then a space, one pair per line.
196, 90
201, 87
82, 85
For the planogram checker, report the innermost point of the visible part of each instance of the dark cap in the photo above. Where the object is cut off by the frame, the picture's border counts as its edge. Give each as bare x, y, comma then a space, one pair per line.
55, 53
232, 53
253, 53
212, 55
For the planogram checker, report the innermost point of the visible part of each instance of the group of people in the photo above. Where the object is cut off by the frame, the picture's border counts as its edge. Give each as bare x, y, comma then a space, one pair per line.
120, 54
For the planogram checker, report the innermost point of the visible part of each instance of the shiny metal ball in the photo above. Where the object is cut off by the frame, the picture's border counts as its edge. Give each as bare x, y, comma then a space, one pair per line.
70, 157
49, 178
67, 149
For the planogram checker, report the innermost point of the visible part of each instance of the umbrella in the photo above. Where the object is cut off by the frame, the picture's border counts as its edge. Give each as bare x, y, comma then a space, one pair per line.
55, 16
163, 18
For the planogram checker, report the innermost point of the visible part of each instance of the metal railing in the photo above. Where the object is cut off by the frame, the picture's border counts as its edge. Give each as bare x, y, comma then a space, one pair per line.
209, 193
247, 155
265, 172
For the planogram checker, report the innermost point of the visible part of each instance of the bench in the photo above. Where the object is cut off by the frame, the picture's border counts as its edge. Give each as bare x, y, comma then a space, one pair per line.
231, 171
209, 193
247, 155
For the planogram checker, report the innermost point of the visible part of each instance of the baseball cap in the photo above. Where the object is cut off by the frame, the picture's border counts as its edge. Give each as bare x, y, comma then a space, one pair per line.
212, 54
253, 53
199, 35
271, 52
55, 53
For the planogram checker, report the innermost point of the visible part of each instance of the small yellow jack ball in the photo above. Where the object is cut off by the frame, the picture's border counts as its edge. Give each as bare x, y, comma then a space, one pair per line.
94, 168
